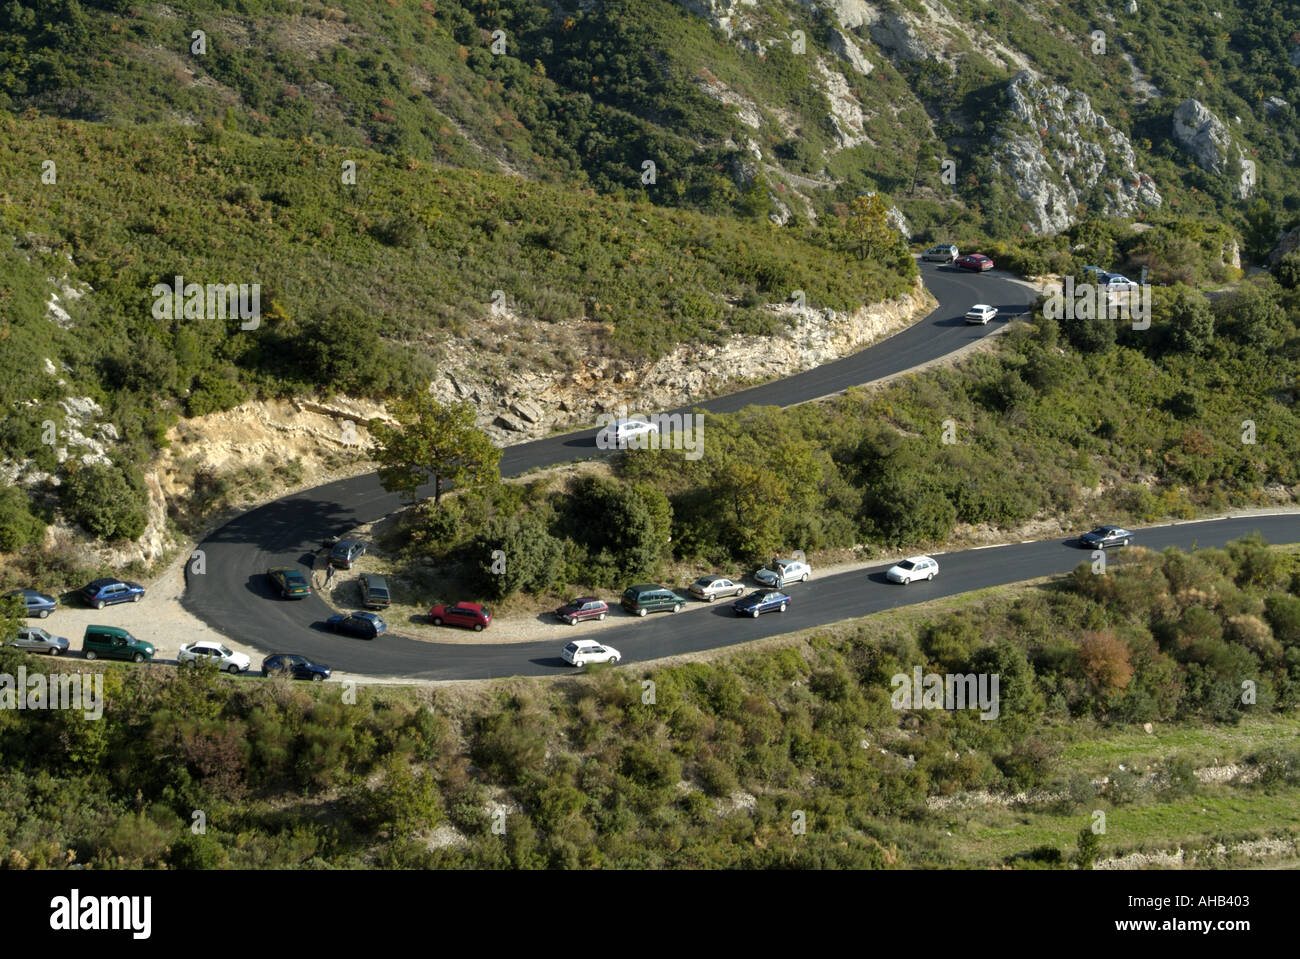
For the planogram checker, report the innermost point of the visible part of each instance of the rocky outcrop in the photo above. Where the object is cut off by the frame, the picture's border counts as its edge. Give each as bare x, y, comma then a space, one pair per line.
848, 51
1057, 152
1206, 139
691, 372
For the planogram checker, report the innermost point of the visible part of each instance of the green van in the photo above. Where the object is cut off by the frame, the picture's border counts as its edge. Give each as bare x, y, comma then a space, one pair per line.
113, 642
649, 598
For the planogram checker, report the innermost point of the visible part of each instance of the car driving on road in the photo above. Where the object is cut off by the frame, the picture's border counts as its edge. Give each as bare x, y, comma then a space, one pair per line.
709, 588
468, 615
289, 581
782, 571
981, 313
761, 601
205, 652
621, 433
913, 568
295, 667
582, 608
109, 592
1104, 536
584, 651
36, 603
363, 625
36, 640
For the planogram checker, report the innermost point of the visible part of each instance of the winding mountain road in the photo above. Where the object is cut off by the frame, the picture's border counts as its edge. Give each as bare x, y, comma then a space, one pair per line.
232, 595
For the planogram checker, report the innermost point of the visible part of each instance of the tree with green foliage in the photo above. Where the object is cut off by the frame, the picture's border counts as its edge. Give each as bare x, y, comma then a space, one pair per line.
107, 501
529, 557
1188, 321
432, 441
1261, 229
1089, 848
868, 230
19, 526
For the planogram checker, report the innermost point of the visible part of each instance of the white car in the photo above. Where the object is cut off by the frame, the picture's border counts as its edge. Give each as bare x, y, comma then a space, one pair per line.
914, 567
1116, 283
780, 572
981, 313
621, 433
209, 652
583, 651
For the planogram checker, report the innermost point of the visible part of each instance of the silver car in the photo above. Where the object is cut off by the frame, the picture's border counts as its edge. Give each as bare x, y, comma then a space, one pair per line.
39, 641
710, 588
943, 253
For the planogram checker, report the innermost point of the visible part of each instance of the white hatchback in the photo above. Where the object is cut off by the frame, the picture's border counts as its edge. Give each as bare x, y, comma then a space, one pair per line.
914, 567
584, 651
209, 652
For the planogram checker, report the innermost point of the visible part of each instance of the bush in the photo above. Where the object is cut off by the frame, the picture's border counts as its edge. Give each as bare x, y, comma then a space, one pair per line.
19, 526
107, 501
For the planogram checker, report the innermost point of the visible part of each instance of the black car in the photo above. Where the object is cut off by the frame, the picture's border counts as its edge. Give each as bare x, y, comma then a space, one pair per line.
1104, 536
362, 625
295, 667
346, 552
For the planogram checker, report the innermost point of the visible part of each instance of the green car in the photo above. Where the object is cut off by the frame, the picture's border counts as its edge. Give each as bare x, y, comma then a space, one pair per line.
113, 642
290, 581
650, 598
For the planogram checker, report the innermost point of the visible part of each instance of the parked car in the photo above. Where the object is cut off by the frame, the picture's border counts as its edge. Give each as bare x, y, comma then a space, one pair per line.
943, 253
1116, 283
582, 608
913, 568
651, 598
761, 601
468, 615
710, 588
108, 592
974, 261
617, 435
207, 652
584, 651
362, 625
374, 591
1093, 273
113, 642
782, 571
290, 581
1104, 536
39, 641
295, 667
981, 313
36, 603
346, 552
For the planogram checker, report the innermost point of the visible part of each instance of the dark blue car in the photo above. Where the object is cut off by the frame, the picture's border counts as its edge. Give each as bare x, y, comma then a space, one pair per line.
295, 667
363, 625
761, 601
108, 592
37, 604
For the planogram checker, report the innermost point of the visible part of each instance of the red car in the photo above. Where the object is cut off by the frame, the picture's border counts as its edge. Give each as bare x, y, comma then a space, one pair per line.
470, 615
584, 607
974, 261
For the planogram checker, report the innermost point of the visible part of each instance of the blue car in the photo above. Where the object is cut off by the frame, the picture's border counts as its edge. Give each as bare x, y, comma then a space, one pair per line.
362, 625
37, 604
108, 592
295, 667
761, 601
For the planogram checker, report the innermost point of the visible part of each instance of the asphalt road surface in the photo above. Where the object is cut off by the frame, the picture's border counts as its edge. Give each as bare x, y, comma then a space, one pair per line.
233, 597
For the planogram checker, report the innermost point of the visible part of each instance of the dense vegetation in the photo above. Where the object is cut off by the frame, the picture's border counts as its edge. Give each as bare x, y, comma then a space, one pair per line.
705, 765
